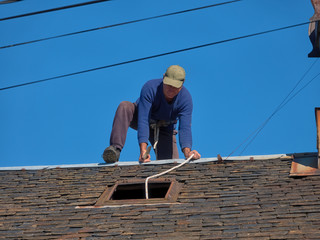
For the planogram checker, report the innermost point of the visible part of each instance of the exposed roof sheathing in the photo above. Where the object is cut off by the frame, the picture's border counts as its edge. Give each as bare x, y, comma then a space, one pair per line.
230, 200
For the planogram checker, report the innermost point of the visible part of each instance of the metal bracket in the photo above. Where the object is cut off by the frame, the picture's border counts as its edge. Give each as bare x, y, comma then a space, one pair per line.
220, 160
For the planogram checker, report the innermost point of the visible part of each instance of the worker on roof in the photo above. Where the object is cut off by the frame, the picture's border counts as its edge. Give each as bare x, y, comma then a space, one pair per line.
155, 114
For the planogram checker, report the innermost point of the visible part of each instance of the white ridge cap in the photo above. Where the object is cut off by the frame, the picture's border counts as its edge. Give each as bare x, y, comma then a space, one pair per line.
159, 162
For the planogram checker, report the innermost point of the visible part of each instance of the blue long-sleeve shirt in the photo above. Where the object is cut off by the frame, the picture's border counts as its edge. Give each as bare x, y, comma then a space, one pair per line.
153, 105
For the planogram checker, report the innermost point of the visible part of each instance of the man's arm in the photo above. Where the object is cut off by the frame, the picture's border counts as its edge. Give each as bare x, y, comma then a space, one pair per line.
144, 106
185, 134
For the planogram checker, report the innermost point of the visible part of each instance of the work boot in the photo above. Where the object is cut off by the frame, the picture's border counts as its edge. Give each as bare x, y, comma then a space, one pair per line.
111, 154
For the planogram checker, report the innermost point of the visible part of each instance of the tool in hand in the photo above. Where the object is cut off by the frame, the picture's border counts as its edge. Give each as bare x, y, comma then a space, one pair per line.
145, 155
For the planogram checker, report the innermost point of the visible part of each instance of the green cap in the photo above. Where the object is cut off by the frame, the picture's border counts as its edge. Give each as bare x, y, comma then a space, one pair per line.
174, 76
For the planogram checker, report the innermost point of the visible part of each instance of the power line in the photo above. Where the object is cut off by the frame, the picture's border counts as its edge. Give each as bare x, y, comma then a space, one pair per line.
256, 131
54, 9
9, 1
118, 24
284, 102
153, 56
279, 110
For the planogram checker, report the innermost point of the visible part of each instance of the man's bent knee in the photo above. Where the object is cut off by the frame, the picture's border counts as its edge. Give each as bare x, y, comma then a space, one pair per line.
126, 106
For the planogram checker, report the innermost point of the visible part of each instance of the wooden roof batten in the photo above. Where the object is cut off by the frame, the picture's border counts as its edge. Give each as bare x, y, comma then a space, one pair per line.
308, 166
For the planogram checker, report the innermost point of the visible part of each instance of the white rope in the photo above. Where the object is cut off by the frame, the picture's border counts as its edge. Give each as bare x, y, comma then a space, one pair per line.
156, 139
160, 174
155, 125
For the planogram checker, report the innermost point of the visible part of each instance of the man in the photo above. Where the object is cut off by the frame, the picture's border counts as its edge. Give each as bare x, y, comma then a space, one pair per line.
162, 102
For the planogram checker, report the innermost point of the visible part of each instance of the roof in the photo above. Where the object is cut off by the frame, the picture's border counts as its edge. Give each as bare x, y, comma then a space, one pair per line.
236, 199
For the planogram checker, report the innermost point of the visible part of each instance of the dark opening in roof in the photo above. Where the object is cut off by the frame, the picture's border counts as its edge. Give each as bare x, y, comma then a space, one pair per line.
133, 191
137, 191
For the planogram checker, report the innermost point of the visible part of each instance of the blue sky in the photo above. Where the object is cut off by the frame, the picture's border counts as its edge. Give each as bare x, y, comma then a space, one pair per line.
235, 85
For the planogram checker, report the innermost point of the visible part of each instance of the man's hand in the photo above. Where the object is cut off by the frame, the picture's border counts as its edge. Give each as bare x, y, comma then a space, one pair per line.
143, 150
187, 153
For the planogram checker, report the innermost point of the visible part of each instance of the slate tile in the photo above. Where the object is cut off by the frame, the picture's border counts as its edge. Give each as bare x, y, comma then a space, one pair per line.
263, 184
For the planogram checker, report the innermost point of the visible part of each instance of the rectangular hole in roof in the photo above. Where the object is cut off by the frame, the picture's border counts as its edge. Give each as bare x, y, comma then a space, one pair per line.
137, 191
133, 191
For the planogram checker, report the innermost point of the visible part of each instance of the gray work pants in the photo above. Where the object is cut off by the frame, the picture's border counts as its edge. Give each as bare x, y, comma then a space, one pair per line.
127, 116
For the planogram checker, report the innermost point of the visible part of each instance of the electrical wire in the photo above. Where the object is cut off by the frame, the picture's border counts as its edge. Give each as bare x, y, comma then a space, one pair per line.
54, 9
9, 1
118, 24
153, 56
274, 112
284, 102
280, 107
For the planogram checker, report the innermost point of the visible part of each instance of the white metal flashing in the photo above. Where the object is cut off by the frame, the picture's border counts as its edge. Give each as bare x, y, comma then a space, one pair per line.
158, 162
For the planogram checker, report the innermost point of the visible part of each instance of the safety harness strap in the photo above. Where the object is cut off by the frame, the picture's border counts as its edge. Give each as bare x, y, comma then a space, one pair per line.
155, 125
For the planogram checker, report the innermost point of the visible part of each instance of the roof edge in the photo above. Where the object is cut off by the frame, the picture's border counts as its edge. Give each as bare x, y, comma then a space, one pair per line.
158, 162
